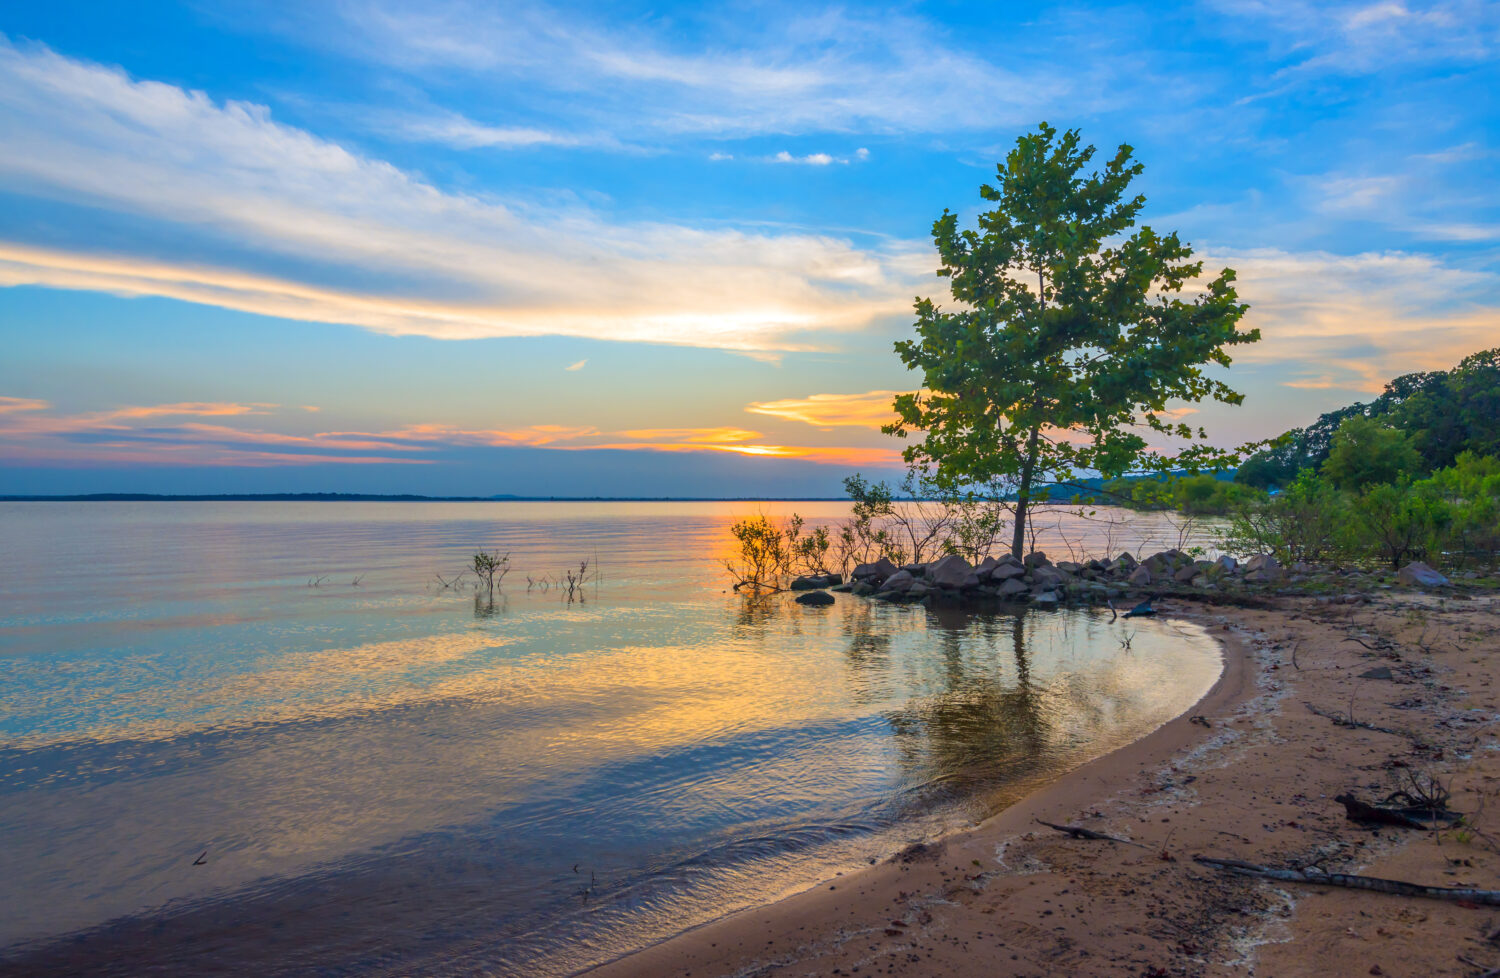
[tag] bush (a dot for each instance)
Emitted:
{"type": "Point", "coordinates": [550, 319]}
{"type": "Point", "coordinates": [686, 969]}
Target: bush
{"type": "Point", "coordinates": [1305, 522]}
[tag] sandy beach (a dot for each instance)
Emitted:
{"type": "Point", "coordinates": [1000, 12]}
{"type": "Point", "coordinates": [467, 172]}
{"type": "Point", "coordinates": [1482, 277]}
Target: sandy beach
{"type": "Point", "coordinates": [1249, 773]}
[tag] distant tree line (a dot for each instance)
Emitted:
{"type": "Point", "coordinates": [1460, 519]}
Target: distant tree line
{"type": "Point", "coordinates": [1438, 415]}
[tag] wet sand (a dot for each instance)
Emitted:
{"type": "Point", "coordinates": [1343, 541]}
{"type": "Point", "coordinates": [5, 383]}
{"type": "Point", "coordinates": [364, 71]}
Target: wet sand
{"type": "Point", "coordinates": [1254, 779]}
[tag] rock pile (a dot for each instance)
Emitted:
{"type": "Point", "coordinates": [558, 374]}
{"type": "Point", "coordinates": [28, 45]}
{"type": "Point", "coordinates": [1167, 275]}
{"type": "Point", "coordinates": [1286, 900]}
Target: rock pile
{"type": "Point", "coordinates": [1037, 580]}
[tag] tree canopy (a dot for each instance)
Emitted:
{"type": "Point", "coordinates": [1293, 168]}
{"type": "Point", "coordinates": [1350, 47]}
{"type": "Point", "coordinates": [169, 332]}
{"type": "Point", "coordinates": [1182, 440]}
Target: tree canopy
{"type": "Point", "coordinates": [1444, 412]}
{"type": "Point", "coordinates": [1071, 334]}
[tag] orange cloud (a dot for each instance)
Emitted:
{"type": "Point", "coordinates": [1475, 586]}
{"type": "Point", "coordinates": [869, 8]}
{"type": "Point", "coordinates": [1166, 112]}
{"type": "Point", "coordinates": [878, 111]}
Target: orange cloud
{"type": "Point", "coordinates": [868, 410]}
{"type": "Point", "coordinates": [8, 404]}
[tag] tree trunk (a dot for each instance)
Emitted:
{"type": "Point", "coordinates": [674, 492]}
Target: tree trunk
{"type": "Point", "coordinates": [1023, 494]}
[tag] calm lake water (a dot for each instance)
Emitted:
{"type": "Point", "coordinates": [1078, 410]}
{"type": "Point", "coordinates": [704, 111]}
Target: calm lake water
{"type": "Point", "coordinates": [391, 776]}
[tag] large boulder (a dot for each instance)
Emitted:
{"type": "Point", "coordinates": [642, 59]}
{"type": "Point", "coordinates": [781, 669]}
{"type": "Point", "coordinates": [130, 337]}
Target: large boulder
{"type": "Point", "coordinates": [1186, 574]}
{"type": "Point", "coordinates": [815, 598]}
{"type": "Point", "coordinates": [1140, 577]}
{"type": "Point", "coordinates": [877, 570]}
{"type": "Point", "coordinates": [1264, 569]}
{"type": "Point", "coordinates": [1036, 559]}
{"type": "Point", "coordinates": [950, 571]}
{"type": "Point", "coordinates": [1226, 564]}
{"type": "Point", "coordinates": [1004, 572]}
{"type": "Point", "coordinates": [902, 580]}
{"type": "Point", "coordinates": [1012, 589]}
{"type": "Point", "coordinates": [814, 581]}
{"type": "Point", "coordinates": [1418, 574]}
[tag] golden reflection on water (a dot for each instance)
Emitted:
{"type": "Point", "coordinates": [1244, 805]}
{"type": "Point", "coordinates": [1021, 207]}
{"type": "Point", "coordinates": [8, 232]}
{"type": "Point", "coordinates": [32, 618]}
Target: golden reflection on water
{"type": "Point", "coordinates": [658, 718]}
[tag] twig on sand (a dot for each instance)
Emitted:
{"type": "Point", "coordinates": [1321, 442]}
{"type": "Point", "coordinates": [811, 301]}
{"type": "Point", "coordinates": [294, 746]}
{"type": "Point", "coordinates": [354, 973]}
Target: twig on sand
{"type": "Point", "coordinates": [1317, 877]}
{"type": "Point", "coordinates": [1079, 832]}
{"type": "Point", "coordinates": [1341, 720]}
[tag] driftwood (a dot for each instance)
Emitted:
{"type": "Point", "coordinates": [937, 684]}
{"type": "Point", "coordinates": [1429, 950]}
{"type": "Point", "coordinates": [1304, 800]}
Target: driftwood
{"type": "Point", "coordinates": [1413, 816]}
{"type": "Point", "coordinates": [1344, 720]}
{"type": "Point", "coordinates": [1079, 832]}
{"type": "Point", "coordinates": [1317, 877]}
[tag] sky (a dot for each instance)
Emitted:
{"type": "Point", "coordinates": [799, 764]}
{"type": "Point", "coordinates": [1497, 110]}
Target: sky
{"type": "Point", "coordinates": [460, 248]}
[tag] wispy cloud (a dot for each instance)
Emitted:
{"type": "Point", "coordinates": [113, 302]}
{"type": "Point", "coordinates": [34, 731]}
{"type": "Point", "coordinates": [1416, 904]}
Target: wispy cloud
{"type": "Point", "coordinates": [449, 265]}
{"type": "Point", "coordinates": [32, 433]}
{"type": "Point", "coordinates": [827, 70]}
{"type": "Point", "coordinates": [573, 367]}
{"type": "Point", "coordinates": [868, 410]}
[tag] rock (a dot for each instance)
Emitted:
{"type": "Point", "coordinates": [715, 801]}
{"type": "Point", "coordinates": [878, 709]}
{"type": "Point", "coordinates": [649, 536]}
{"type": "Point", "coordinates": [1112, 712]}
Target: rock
{"type": "Point", "coordinates": [1140, 577]}
{"type": "Point", "coordinates": [1047, 576]}
{"type": "Point", "coordinates": [1012, 589]}
{"type": "Point", "coordinates": [1127, 559]}
{"type": "Point", "coordinates": [877, 571]}
{"type": "Point", "coordinates": [915, 570]}
{"type": "Point", "coordinates": [810, 583]}
{"type": "Point", "coordinates": [862, 588]}
{"type": "Point", "coordinates": [1035, 559]}
{"type": "Point", "coordinates": [842, 588]}
{"type": "Point", "coordinates": [892, 596]}
{"type": "Point", "coordinates": [988, 563]}
{"type": "Point", "coordinates": [1379, 672]}
{"type": "Point", "coordinates": [1264, 569]}
{"type": "Point", "coordinates": [919, 589]}
{"type": "Point", "coordinates": [900, 581]}
{"type": "Point", "coordinates": [1068, 566]}
{"type": "Point", "coordinates": [971, 581]}
{"type": "Point", "coordinates": [1005, 572]}
{"type": "Point", "coordinates": [815, 598]}
{"type": "Point", "coordinates": [1046, 599]}
{"type": "Point", "coordinates": [950, 571]}
{"type": "Point", "coordinates": [1186, 574]}
{"type": "Point", "coordinates": [1227, 564]}
{"type": "Point", "coordinates": [1418, 574]}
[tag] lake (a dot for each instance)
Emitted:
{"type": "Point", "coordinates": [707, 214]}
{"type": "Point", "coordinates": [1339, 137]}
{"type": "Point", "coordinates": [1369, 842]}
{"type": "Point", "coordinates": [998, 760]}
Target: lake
{"type": "Point", "coordinates": [267, 736]}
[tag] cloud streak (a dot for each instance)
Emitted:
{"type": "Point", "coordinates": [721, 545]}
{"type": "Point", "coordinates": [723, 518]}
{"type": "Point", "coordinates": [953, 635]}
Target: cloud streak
{"type": "Point", "coordinates": [448, 265]}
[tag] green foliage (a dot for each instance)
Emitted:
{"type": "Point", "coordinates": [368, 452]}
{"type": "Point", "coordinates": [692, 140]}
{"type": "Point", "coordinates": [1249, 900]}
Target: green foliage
{"type": "Point", "coordinates": [1071, 334]}
{"type": "Point", "coordinates": [1397, 523]}
{"type": "Point", "coordinates": [1197, 495]}
{"type": "Point", "coordinates": [1367, 453]}
{"type": "Point", "coordinates": [1305, 522]}
{"type": "Point", "coordinates": [1449, 519]}
{"type": "Point", "coordinates": [763, 557]}
{"type": "Point", "coordinates": [491, 568]}
{"type": "Point", "coordinates": [1445, 413]}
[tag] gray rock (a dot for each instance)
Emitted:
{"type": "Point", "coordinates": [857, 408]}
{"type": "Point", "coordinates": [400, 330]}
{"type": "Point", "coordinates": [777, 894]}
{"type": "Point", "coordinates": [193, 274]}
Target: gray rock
{"type": "Point", "coordinates": [815, 598]}
{"type": "Point", "coordinates": [915, 570]}
{"type": "Point", "coordinates": [1068, 566]}
{"type": "Point", "coordinates": [1012, 589]}
{"type": "Point", "coordinates": [950, 571]}
{"type": "Point", "coordinates": [1140, 577]}
{"type": "Point", "coordinates": [1004, 572]}
{"type": "Point", "coordinates": [900, 581]}
{"type": "Point", "coordinates": [918, 590]}
{"type": "Point", "coordinates": [810, 583]}
{"type": "Point", "coordinates": [1186, 574]}
{"type": "Point", "coordinates": [1035, 559]}
{"type": "Point", "coordinates": [891, 596]}
{"type": "Point", "coordinates": [862, 588]}
{"type": "Point", "coordinates": [1046, 599]}
{"type": "Point", "coordinates": [877, 570]}
{"type": "Point", "coordinates": [986, 564]}
{"type": "Point", "coordinates": [1264, 569]}
{"type": "Point", "coordinates": [1418, 574]}
{"type": "Point", "coordinates": [842, 588]}
{"type": "Point", "coordinates": [1379, 672]}
{"type": "Point", "coordinates": [1227, 564]}
{"type": "Point", "coordinates": [971, 581]}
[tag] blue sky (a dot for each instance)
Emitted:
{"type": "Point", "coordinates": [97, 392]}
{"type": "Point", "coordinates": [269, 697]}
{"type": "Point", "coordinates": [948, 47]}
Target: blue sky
{"type": "Point", "coordinates": [591, 249]}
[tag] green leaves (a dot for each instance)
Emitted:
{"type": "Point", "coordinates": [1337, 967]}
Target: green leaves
{"type": "Point", "coordinates": [1066, 325]}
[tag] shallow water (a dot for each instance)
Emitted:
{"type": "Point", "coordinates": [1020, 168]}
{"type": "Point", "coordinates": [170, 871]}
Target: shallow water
{"type": "Point", "coordinates": [394, 776]}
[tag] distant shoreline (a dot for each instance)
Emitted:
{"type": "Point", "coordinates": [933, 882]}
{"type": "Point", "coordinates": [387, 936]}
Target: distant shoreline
{"type": "Point", "coordinates": [355, 497]}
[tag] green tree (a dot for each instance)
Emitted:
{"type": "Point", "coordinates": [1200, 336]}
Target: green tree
{"type": "Point", "coordinates": [1069, 338]}
{"type": "Point", "coordinates": [1367, 453]}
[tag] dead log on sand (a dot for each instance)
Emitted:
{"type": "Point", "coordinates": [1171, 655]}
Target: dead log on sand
{"type": "Point", "coordinates": [1316, 877]}
{"type": "Point", "coordinates": [1079, 832]}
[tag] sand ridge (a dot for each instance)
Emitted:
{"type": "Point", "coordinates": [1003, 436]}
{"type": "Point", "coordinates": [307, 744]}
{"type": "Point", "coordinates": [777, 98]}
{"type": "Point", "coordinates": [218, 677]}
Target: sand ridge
{"type": "Point", "coordinates": [1248, 773]}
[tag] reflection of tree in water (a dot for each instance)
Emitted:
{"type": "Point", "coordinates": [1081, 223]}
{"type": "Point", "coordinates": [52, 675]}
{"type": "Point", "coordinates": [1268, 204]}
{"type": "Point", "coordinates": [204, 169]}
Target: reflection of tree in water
{"type": "Point", "coordinates": [976, 728]}
{"type": "Point", "coordinates": [485, 605]}
{"type": "Point", "coordinates": [869, 644]}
